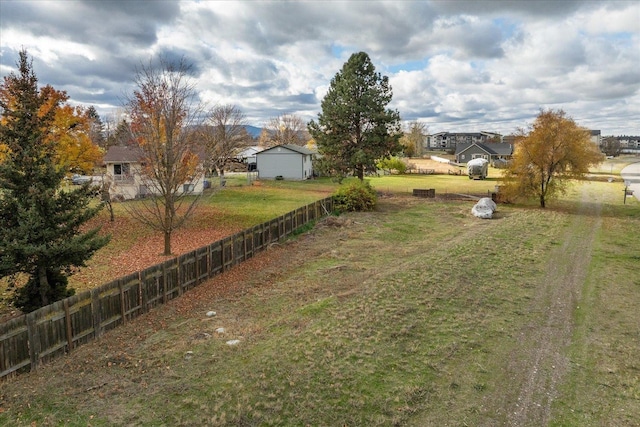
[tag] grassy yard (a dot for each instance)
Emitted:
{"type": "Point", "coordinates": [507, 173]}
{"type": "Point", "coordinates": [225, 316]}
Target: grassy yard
{"type": "Point", "coordinates": [411, 315]}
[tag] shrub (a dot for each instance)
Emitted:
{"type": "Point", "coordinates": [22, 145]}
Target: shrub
{"type": "Point", "coordinates": [28, 298]}
{"type": "Point", "coordinates": [354, 197]}
{"type": "Point", "coordinates": [393, 163]}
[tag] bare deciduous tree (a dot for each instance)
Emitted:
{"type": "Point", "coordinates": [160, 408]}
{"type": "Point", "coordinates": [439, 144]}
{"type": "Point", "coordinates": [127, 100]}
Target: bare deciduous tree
{"type": "Point", "coordinates": [223, 136]}
{"type": "Point", "coordinates": [162, 110]}
{"type": "Point", "coordinates": [413, 139]}
{"type": "Point", "coordinates": [285, 129]}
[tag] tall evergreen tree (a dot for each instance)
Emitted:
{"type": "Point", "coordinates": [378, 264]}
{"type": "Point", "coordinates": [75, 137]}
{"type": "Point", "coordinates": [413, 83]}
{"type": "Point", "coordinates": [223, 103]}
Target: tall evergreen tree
{"type": "Point", "coordinates": [121, 136]}
{"type": "Point", "coordinates": [40, 224]}
{"type": "Point", "coordinates": [355, 128]}
{"type": "Point", "coordinates": [96, 127]}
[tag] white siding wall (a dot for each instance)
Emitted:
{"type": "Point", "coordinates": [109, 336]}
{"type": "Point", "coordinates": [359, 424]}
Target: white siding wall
{"type": "Point", "coordinates": [281, 161]}
{"type": "Point", "coordinates": [130, 188]}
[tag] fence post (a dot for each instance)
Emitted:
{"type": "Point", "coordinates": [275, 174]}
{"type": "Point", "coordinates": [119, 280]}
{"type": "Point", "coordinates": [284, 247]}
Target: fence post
{"type": "Point", "coordinates": [197, 269]}
{"type": "Point", "coordinates": [67, 322]}
{"type": "Point", "coordinates": [180, 277]}
{"type": "Point", "coordinates": [141, 288]}
{"type": "Point", "coordinates": [123, 310]}
{"type": "Point", "coordinates": [95, 311]}
{"type": "Point", "coordinates": [34, 340]}
{"type": "Point", "coordinates": [164, 284]}
{"type": "Point", "coordinates": [244, 244]}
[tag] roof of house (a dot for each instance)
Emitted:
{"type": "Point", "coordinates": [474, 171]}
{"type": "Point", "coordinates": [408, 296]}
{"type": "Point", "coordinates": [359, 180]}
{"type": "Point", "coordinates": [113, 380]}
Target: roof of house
{"type": "Point", "coordinates": [493, 148]}
{"type": "Point", "coordinates": [127, 154]}
{"type": "Point", "coordinates": [249, 152]}
{"type": "Point", "coordinates": [124, 154]}
{"type": "Point", "coordinates": [296, 148]}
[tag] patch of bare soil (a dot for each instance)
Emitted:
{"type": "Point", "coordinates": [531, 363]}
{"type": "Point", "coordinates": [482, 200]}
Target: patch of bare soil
{"type": "Point", "coordinates": [436, 167]}
{"type": "Point", "coordinates": [541, 362]}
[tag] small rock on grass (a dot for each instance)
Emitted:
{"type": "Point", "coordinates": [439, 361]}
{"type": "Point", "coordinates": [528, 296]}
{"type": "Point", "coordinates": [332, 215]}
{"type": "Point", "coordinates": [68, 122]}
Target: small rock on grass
{"type": "Point", "coordinates": [233, 342]}
{"type": "Point", "coordinates": [211, 313]}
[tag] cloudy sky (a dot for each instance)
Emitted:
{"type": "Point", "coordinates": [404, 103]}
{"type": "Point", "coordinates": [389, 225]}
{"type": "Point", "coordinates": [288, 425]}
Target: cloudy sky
{"type": "Point", "coordinates": [457, 65]}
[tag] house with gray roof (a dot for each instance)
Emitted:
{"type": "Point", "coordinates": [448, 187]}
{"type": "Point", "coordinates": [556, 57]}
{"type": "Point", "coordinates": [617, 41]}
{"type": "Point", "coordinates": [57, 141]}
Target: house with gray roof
{"type": "Point", "coordinates": [124, 166]}
{"type": "Point", "coordinates": [287, 161]}
{"type": "Point", "coordinates": [494, 152]}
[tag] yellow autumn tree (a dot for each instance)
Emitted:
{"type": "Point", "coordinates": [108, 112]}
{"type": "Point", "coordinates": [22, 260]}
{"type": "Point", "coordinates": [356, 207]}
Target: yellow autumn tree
{"type": "Point", "coordinates": [554, 151]}
{"type": "Point", "coordinates": [68, 132]}
{"type": "Point", "coordinates": [75, 151]}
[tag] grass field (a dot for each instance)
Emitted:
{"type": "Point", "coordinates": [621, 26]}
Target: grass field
{"type": "Point", "coordinates": [416, 314]}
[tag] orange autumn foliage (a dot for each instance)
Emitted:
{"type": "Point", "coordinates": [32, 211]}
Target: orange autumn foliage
{"type": "Point", "coordinates": [68, 132]}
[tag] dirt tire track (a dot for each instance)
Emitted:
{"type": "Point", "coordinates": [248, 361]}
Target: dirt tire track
{"type": "Point", "coordinates": [541, 361]}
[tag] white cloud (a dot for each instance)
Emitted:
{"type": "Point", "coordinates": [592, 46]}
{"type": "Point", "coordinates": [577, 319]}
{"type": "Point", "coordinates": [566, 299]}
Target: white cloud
{"type": "Point", "coordinates": [487, 65]}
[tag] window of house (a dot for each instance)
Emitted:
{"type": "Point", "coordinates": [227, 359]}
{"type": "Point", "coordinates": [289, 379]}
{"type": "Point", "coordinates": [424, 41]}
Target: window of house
{"type": "Point", "coordinates": [121, 169]}
{"type": "Point", "coordinates": [188, 188]}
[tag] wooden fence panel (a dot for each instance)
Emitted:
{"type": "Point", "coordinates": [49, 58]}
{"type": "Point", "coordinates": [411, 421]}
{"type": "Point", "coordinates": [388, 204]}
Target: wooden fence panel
{"type": "Point", "coordinates": [288, 223]}
{"type": "Point", "coordinates": [202, 264]}
{"type": "Point", "coordinates": [259, 237]}
{"type": "Point", "coordinates": [300, 218]}
{"type": "Point", "coordinates": [80, 313]}
{"type": "Point", "coordinates": [131, 296]}
{"type": "Point", "coordinates": [247, 237]}
{"type": "Point", "coordinates": [188, 271]}
{"type": "Point", "coordinates": [152, 280]}
{"type": "Point", "coordinates": [324, 207]}
{"type": "Point", "coordinates": [274, 230]}
{"type": "Point", "coordinates": [227, 253]}
{"type": "Point", "coordinates": [38, 337]}
{"type": "Point", "coordinates": [239, 253]}
{"type": "Point", "coordinates": [14, 346]}
{"type": "Point", "coordinates": [50, 326]}
{"type": "Point", "coordinates": [216, 258]}
{"type": "Point", "coordinates": [109, 306]}
{"type": "Point", "coordinates": [171, 279]}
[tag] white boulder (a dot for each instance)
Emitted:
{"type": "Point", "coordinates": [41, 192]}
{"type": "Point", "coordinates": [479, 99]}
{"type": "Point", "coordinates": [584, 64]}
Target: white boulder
{"type": "Point", "coordinates": [484, 208]}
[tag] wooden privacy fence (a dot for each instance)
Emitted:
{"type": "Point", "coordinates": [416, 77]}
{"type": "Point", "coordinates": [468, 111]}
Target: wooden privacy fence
{"type": "Point", "coordinates": [35, 338]}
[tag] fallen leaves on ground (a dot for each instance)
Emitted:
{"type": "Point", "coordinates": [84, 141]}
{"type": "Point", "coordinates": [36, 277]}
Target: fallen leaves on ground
{"type": "Point", "coordinates": [134, 247]}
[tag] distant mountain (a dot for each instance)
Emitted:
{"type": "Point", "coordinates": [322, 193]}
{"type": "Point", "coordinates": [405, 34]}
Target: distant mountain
{"type": "Point", "coordinates": [253, 131]}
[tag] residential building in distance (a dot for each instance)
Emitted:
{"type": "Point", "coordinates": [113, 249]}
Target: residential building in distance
{"type": "Point", "coordinates": [124, 165]}
{"type": "Point", "coordinates": [449, 140]}
{"type": "Point", "coordinates": [629, 144]}
{"type": "Point", "coordinates": [497, 154]}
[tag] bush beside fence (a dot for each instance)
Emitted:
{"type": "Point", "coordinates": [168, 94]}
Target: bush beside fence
{"type": "Point", "coordinates": [38, 337]}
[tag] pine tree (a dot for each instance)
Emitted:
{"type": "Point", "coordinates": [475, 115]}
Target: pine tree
{"type": "Point", "coordinates": [40, 224]}
{"type": "Point", "coordinates": [355, 129]}
{"type": "Point", "coordinates": [96, 128]}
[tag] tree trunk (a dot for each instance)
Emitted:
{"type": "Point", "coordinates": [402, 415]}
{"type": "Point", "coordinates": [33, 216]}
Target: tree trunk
{"type": "Point", "coordinates": [542, 204]}
{"type": "Point", "coordinates": [44, 286]}
{"type": "Point", "coordinates": [167, 243]}
{"type": "Point", "coordinates": [168, 225]}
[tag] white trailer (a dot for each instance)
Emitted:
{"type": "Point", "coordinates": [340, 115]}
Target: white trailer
{"type": "Point", "coordinates": [478, 168]}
